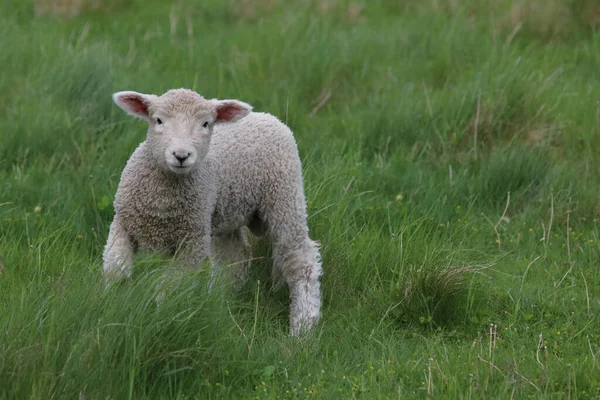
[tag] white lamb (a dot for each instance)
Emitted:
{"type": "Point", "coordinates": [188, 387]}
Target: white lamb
{"type": "Point", "coordinates": [207, 169]}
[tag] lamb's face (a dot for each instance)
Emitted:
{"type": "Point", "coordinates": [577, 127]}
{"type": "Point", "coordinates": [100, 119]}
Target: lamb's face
{"type": "Point", "coordinates": [180, 124]}
{"type": "Point", "coordinates": [180, 128]}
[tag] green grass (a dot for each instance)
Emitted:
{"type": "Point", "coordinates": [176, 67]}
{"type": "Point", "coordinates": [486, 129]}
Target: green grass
{"type": "Point", "coordinates": [452, 177]}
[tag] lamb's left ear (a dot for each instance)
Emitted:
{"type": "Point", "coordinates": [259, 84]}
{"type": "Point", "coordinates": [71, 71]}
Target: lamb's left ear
{"type": "Point", "coordinates": [231, 110]}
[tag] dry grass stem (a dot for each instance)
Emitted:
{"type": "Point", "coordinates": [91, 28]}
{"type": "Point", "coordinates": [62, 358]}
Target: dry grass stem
{"type": "Point", "coordinates": [512, 35]}
{"type": "Point", "coordinates": [526, 270]}
{"type": "Point", "coordinates": [565, 275]}
{"type": "Point", "coordinates": [476, 124]}
{"type": "Point", "coordinates": [321, 101]}
{"type": "Point", "coordinates": [495, 226]}
{"type": "Point", "coordinates": [568, 237]}
{"type": "Point", "coordinates": [349, 184]}
{"type": "Point", "coordinates": [587, 291]}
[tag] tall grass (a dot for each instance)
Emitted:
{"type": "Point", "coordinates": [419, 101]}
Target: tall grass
{"type": "Point", "coordinates": [450, 153]}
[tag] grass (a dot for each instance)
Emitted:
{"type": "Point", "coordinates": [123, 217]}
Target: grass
{"type": "Point", "coordinates": [452, 172]}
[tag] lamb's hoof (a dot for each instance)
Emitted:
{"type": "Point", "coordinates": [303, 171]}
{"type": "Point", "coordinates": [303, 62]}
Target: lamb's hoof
{"type": "Point", "coordinates": [303, 327]}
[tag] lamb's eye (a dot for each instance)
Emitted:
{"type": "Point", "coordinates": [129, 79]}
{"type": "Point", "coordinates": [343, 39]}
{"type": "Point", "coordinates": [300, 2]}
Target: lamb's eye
{"type": "Point", "coordinates": [159, 121]}
{"type": "Point", "coordinates": [205, 125]}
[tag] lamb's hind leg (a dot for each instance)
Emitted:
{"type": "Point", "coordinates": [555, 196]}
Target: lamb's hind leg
{"type": "Point", "coordinates": [296, 260]}
{"type": "Point", "coordinates": [299, 264]}
{"type": "Point", "coordinates": [231, 258]}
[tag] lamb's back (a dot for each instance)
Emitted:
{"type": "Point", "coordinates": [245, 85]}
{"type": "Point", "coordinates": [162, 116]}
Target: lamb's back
{"type": "Point", "coordinates": [252, 157]}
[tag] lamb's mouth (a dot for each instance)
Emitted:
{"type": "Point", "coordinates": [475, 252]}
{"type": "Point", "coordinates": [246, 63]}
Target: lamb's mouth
{"type": "Point", "coordinates": [180, 169]}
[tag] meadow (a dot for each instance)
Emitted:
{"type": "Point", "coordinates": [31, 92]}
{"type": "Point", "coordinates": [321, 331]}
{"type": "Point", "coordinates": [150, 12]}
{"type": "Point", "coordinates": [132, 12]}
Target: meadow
{"type": "Point", "coordinates": [451, 156]}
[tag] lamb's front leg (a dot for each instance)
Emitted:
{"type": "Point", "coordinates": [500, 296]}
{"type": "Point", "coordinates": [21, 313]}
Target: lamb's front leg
{"type": "Point", "coordinates": [190, 255]}
{"type": "Point", "coordinates": [196, 250]}
{"type": "Point", "coordinates": [231, 258]}
{"type": "Point", "coordinates": [118, 253]}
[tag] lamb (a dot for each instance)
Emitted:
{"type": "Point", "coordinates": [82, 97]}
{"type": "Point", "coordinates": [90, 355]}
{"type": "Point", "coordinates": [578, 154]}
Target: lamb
{"type": "Point", "coordinates": [207, 170]}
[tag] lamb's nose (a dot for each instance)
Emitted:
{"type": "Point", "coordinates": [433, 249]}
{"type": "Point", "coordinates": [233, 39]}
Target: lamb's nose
{"type": "Point", "coordinates": [181, 156]}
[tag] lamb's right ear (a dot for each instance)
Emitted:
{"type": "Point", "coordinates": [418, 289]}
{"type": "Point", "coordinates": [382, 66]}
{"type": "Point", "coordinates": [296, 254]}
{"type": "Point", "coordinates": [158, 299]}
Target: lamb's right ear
{"type": "Point", "coordinates": [134, 103]}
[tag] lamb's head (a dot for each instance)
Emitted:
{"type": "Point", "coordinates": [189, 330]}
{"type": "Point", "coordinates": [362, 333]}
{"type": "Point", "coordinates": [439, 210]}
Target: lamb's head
{"type": "Point", "coordinates": [180, 124]}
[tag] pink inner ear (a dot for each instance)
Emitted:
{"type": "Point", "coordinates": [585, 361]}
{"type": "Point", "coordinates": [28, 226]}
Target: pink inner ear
{"type": "Point", "coordinates": [228, 111]}
{"type": "Point", "coordinates": [135, 104]}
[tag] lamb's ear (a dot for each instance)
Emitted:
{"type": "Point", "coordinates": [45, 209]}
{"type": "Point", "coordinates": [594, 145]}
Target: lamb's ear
{"type": "Point", "coordinates": [231, 110]}
{"type": "Point", "coordinates": [134, 103]}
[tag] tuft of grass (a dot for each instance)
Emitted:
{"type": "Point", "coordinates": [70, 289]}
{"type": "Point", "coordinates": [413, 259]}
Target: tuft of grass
{"type": "Point", "coordinates": [437, 296]}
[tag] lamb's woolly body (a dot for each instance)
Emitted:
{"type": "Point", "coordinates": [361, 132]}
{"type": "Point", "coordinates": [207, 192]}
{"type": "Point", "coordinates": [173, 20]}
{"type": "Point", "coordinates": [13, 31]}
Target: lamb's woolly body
{"type": "Point", "coordinates": [250, 175]}
{"type": "Point", "coordinates": [251, 165]}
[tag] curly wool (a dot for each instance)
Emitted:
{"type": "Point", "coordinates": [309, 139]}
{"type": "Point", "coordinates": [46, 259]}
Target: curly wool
{"type": "Point", "coordinates": [248, 173]}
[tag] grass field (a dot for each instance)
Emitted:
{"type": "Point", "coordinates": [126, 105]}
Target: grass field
{"type": "Point", "coordinates": [451, 154]}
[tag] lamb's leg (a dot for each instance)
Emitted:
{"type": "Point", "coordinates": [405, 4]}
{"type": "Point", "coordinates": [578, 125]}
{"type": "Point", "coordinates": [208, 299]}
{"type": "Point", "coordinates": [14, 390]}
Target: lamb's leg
{"type": "Point", "coordinates": [231, 258]}
{"type": "Point", "coordinates": [296, 257]}
{"type": "Point", "coordinates": [118, 253]}
{"type": "Point", "coordinates": [190, 255]}
{"type": "Point", "coordinates": [299, 264]}
{"type": "Point", "coordinates": [195, 250]}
